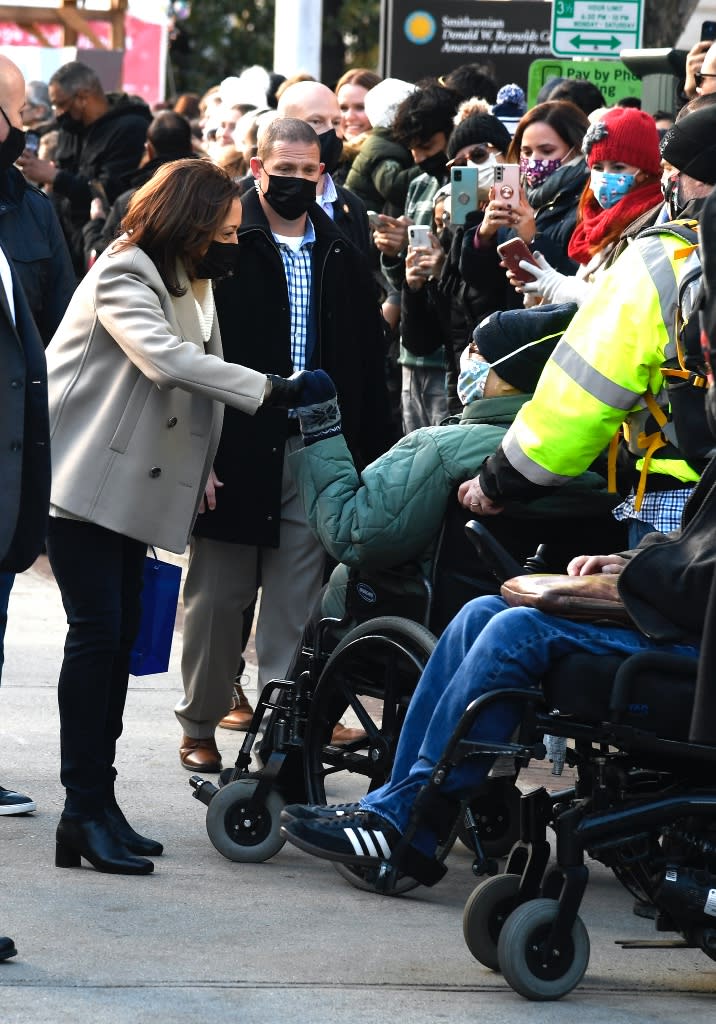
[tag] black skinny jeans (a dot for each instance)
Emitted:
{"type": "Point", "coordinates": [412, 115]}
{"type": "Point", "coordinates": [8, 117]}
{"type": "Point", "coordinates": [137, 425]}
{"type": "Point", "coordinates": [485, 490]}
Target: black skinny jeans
{"type": "Point", "coordinates": [100, 575]}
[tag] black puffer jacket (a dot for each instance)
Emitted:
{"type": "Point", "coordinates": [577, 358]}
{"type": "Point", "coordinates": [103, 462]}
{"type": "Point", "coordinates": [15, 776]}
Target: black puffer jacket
{"type": "Point", "coordinates": [105, 154]}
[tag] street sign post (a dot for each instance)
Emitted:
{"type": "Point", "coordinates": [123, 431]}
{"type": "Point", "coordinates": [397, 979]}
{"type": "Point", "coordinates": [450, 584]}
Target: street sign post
{"type": "Point", "coordinates": [596, 28]}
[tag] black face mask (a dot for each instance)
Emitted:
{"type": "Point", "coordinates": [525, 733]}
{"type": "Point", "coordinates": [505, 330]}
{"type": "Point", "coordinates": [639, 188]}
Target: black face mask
{"type": "Point", "coordinates": [12, 146]}
{"type": "Point", "coordinates": [331, 149]}
{"type": "Point", "coordinates": [218, 260]}
{"type": "Point", "coordinates": [435, 165]}
{"type": "Point", "coordinates": [673, 197]}
{"type": "Point", "coordinates": [289, 197]}
{"type": "Point", "coordinates": [70, 124]}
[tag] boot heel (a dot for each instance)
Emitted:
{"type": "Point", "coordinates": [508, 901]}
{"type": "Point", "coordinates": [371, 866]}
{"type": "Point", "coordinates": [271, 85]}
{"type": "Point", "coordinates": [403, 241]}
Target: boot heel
{"type": "Point", "coordinates": [66, 857]}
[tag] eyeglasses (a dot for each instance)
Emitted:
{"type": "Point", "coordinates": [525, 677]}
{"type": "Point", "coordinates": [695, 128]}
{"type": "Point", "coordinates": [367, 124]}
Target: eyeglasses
{"type": "Point", "coordinates": [478, 154]}
{"type": "Point", "coordinates": [699, 78]}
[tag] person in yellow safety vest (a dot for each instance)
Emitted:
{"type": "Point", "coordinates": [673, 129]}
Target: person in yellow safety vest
{"type": "Point", "coordinates": [607, 368]}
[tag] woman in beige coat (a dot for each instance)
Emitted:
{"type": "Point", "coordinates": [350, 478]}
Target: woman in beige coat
{"type": "Point", "coordinates": [137, 385]}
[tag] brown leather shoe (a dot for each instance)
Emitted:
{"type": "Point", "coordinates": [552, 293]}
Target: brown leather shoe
{"type": "Point", "coordinates": [342, 734]}
{"type": "Point", "coordinates": [200, 755]}
{"type": "Point", "coordinates": [239, 718]}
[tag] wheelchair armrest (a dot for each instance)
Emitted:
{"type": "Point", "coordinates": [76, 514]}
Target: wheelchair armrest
{"type": "Point", "coordinates": [497, 559]}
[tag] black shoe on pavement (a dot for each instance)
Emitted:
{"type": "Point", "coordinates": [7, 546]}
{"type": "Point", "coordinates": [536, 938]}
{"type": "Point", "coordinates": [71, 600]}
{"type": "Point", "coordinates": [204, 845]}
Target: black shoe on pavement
{"type": "Point", "coordinates": [7, 948]}
{"type": "Point", "coordinates": [360, 838]}
{"type": "Point", "coordinates": [15, 803]}
{"type": "Point", "coordinates": [306, 812]}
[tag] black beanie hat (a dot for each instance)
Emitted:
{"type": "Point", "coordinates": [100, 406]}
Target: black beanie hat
{"type": "Point", "coordinates": [507, 331]}
{"type": "Point", "coordinates": [478, 128]}
{"type": "Point", "coordinates": [690, 145]}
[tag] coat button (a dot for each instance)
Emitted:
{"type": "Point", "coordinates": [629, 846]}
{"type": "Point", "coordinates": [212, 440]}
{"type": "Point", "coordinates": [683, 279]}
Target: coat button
{"type": "Point", "coordinates": [15, 446]}
{"type": "Point", "coordinates": [154, 472]}
{"type": "Point", "coordinates": [16, 383]}
{"type": "Point", "coordinates": [172, 422]}
{"type": "Point", "coordinates": [269, 519]}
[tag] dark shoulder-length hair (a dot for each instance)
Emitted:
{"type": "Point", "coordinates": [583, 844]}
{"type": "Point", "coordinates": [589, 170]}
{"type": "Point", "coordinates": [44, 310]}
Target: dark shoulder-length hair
{"type": "Point", "coordinates": [176, 214]}
{"type": "Point", "coordinates": [563, 117]}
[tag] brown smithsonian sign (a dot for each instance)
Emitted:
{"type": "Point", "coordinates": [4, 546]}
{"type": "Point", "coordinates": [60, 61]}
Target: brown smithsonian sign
{"type": "Point", "coordinates": [423, 38]}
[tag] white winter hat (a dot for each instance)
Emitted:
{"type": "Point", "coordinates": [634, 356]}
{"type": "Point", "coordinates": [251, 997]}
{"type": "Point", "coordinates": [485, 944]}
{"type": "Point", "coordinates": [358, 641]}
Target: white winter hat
{"type": "Point", "coordinates": [383, 100]}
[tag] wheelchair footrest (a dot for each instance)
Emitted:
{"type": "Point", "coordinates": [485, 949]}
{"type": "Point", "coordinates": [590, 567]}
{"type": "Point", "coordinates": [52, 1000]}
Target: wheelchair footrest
{"type": "Point", "coordinates": [652, 944]}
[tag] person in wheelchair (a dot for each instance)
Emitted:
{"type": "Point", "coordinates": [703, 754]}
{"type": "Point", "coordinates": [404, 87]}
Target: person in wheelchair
{"type": "Point", "coordinates": [664, 585]}
{"type": "Point", "coordinates": [392, 513]}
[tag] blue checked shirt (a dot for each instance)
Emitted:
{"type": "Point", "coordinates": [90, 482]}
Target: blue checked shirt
{"type": "Point", "coordinates": [298, 268]}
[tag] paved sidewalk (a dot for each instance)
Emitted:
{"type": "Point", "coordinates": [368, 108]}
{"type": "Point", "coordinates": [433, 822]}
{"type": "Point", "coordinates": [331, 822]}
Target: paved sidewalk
{"type": "Point", "coordinates": [204, 939]}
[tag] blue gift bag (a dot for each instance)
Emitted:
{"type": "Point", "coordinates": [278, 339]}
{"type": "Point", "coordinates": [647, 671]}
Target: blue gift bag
{"type": "Point", "coordinates": [160, 596]}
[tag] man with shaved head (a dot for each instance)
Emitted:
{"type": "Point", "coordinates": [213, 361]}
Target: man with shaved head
{"type": "Point", "coordinates": [317, 105]}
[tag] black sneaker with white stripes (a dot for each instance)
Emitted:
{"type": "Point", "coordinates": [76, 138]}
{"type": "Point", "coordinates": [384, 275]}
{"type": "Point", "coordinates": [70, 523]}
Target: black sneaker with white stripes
{"type": "Point", "coordinates": [304, 812]}
{"type": "Point", "coordinates": [358, 838]}
{"type": "Point", "coordinates": [15, 803]}
{"type": "Point", "coordinates": [361, 838]}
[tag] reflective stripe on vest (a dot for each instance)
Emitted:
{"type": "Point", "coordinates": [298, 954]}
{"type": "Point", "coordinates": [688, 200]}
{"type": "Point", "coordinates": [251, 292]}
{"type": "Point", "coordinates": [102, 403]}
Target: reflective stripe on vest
{"type": "Point", "coordinates": [591, 380]}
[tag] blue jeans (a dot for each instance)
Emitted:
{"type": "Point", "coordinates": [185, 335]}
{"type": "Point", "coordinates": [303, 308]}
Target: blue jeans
{"type": "Point", "coordinates": [6, 581]}
{"type": "Point", "coordinates": [487, 646]}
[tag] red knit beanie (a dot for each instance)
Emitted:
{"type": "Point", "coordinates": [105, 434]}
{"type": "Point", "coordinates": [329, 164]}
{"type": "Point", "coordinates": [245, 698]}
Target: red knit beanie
{"type": "Point", "coordinates": [625, 135]}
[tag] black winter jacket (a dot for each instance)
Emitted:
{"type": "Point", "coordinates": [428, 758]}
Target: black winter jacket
{"type": "Point", "coordinates": [254, 317]}
{"type": "Point", "coordinates": [32, 237]}
{"type": "Point", "coordinates": [106, 153]}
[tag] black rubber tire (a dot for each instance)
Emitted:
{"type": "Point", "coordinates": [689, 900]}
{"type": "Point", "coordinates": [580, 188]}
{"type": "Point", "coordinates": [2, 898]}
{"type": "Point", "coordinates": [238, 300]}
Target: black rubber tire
{"type": "Point", "coordinates": [230, 837]}
{"type": "Point", "coordinates": [485, 914]}
{"type": "Point", "coordinates": [383, 656]}
{"type": "Point", "coordinates": [519, 964]}
{"type": "Point", "coordinates": [496, 808]}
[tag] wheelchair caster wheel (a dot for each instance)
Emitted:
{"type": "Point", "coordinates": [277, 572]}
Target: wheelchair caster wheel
{"type": "Point", "coordinates": [531, 971]}
{"type": "Point", "coordinates": [486, 911]}
{"type": "Point", "coordinates": [235, 833]}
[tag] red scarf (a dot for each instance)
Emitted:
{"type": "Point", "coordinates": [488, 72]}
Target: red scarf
{"type": "Point", "coordinates": [597, 224]}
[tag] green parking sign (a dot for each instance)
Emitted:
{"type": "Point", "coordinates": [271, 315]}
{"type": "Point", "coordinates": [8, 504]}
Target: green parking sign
{"type": "Point", "coordinates": [596, 28]}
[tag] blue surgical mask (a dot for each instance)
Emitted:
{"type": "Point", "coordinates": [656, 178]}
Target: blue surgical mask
{"type": "Point", "coordinates": [609, 188]}
{"type": "Point", "coordinates": [473, 376]}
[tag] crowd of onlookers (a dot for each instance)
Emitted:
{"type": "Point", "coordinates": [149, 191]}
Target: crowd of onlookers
{"type": "Point", "coordinates": [427, 244]}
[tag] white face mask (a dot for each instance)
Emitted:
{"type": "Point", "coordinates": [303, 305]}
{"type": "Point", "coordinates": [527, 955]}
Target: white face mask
{"type": "Point", "coordinates": [485, 171]}
{"type": "Point", "coordinates": [473, 375]}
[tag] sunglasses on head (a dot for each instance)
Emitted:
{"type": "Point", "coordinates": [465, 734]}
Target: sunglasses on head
{"type": "Point", "coordinates": [478, 154]}
{"type": "Point", "coordinates": [699, 78]}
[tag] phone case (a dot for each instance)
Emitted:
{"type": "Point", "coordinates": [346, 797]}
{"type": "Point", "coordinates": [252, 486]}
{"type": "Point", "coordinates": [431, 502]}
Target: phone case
{"type": "Point", "coordinates": [511, 252]}
{"type": "Point", "coordinates": [507, 184]}
{"type": "Point", "coordinates": [463, 193]}
{"type": "Point", "coordinates": [419, 235]}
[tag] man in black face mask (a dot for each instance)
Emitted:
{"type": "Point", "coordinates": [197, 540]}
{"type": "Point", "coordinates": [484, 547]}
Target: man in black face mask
{"type": "Point", "coordinates": [302, 297]}
{"type": "Point", "coordinates": [317, 105]}
{"type": "Point", "coordinates": [101, 143]}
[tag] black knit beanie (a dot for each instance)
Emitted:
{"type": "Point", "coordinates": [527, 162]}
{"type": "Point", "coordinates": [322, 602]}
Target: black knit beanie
{"type": "Point", "coordinates": [690, 145]}
{"type": "Point", "coordinates": [509, 330]}
{"type": "Point", "coordinates": [478, 128]}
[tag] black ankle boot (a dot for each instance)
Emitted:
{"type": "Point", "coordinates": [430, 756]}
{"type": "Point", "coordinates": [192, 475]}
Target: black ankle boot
{"type": "Point", "coordinates": [93, 840]}
{"type": "Point", "coordinates": [131, 840]}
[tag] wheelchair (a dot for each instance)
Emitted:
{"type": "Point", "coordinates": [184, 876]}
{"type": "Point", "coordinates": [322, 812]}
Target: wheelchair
{"type": "Point", "coordinates": [368, 662]}
{"type": "Point", "coordinates": [643, 804]}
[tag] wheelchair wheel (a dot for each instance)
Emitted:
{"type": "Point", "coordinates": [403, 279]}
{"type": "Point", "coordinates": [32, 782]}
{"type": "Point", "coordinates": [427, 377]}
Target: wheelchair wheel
{"type": "Point", "coordinates": [521, 962]}
{"type": "Point", "coordinates": [496, 809]}
{"type": "Point", "coordinates": [371, 673]}
{"type": "Point", "coordinates": [235, 836]}
{"type": "Point", "coordinates": [484, 916]}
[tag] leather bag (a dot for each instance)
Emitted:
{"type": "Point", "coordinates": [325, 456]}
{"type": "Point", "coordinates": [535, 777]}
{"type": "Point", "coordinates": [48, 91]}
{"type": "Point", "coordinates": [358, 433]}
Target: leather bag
{"type": "Point", "coordinates": [583, 598]}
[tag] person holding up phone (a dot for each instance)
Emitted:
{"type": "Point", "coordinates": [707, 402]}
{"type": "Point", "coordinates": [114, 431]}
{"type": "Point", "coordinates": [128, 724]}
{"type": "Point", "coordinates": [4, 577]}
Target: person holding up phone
{"type": "Point", "coordinates": [622, 152]}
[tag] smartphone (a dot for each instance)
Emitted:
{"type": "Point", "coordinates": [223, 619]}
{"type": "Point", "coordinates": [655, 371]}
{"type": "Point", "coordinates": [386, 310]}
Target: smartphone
{"type": "Point", "coordinates": [32, 142]}
{"type": "Point", "coordinates": [507, 184]}
{"type": "Point", "coordinates": [511, 252]}
{"type": "Point", "coordinates": [708, 31]}
{"type": "Point", "coordinates": [419, 235]}
{"type": "Point", "coordinates": [463, 193]}
{"type": "Point", "coordinates": [374, 220]}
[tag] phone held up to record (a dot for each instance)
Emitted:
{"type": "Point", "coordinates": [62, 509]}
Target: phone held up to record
{"type": "Point", "coordinates": [464, 196]}
{"type": "Point", "coordinates": [511, 252]}
{"type": "Point", "coordinates": [708, 31]}
{"type": "Point", "coordinates": [419, 235]}
{"type": "Point", "coordinates": [507, 184]}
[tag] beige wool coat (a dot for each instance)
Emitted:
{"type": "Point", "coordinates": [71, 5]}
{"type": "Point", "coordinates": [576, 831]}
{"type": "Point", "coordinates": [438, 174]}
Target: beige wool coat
{"type": "Point", "coordinates": [136, 402]}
